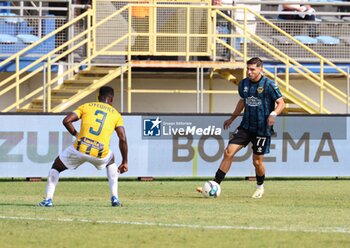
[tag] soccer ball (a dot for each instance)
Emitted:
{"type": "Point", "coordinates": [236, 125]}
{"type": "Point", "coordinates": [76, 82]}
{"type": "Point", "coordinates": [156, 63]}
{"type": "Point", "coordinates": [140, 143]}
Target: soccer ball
{"type": "Point", "coordinates": [211, 189]}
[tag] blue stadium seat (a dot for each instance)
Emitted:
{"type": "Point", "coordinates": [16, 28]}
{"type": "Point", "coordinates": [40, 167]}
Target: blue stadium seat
{"type": "Point", "coordinates": [11, 24]}
{"type": "Point", "coordinates": [282, 40]}
{"type": "Point", "coordinates": [23, 28]}
{"type": "Point", "coordinates": [8, 44]}
{"type": "Point", "coordinates": [28, 38]}
{"type": "Point", "coordinates": [328, 40]}
{"type": "Point", "coordinates": [7, 28]}
{"type": "Point", "coordinates": [7, 39]}
{"type": "Point", "coordinates": [307, 40]}
{"type": "Point", "coordinates": [12, 18]}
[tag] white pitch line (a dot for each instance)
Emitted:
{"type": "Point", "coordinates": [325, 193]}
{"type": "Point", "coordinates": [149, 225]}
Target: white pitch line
{"type": "Point", "coordinates": [343, 230]}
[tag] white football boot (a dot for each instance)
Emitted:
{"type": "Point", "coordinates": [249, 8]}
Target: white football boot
{"type": "Point", "coordinates": [258, 192]}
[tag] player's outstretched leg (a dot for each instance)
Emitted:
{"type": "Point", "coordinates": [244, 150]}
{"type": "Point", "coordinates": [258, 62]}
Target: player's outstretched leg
{"type": "Point", "coordinates": [112, 174]}
{"type": "Point", "coordinates": [219, 176]}
{"type": "Point", "coordinates": [52, 181]}
{"type": "Point", "coordinates": [51, 184]}
{"type": "Point", "coordinates": [225, 165]}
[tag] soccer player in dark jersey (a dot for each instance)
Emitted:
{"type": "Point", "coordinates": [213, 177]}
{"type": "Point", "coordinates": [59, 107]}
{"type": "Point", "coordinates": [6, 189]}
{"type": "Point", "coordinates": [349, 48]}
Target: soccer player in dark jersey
{"type": "Point", "coordinates": [261, 101]}
{"type": "Point", "coordinates": [99, 120]}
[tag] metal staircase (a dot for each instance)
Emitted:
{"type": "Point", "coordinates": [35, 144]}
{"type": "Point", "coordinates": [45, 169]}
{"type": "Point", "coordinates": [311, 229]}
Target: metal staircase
{"type": "Point", "coordinates": [293, 104]}
{"type": "Point", "coordinates": [72, 90]}
{"type": "Point", "coordinates": [297, 100]}
{"type": "Point", "coordinates": [55, 97]}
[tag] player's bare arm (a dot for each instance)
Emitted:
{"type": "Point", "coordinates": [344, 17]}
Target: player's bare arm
{"type": "Point", "coordinates": [237, 112]}
{"type": "Point", "coordinates": [123, 147]}
{"type": "Point", "coordinates": [279, 108]}
{"type": "Point", "coordinates": [67, 122]}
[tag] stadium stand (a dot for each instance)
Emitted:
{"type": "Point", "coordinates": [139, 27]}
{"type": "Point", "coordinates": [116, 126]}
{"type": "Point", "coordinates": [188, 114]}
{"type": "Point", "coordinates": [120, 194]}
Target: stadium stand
{"type": "Point", "coordinates": [186, 32]}
{"type": "Point", "coordinates": [306, 39]}
{"type": "Point", "coordinates": [21, 24]}
{"type": "Point", "coordinates": [328, 40]}
{"type": "Point", "coordinates": [330, 25]}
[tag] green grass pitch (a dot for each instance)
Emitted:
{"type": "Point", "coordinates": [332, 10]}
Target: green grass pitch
{"type": "Point", "coordinates": [297, 213]}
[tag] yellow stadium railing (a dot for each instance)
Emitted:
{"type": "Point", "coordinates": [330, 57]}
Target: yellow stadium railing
{"type": "Point", "coordinates": [42, 63]}
{"type": "Point", "coordinates": [163, 41]}
{"type": "Point", "coordinates": [290, 64]}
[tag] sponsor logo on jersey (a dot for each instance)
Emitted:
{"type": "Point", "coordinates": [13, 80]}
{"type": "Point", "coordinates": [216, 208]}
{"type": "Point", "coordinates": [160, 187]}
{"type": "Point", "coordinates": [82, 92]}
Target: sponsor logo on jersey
{"type": "Point", "coordinates": [253, 101]}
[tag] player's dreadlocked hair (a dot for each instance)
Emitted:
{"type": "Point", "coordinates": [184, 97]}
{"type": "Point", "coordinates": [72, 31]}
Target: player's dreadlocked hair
{"type": "Point", "coordinates": [255, 61]}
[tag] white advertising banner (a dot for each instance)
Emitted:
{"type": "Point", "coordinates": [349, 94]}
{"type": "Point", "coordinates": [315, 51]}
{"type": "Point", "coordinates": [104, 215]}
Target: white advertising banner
{"type": "Point", "coordinates": [181, 145]}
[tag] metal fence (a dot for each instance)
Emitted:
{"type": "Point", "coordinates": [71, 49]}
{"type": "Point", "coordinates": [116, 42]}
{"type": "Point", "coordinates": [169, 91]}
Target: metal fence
{"type": "Point", "coordinates": [165, 36]}
{"type": "Point", "coordinates": [24, 22]}
{"type": "Point", "coordinates": [331, 40]}
{"type": "Point", "coordinates": [17, 32]}
{"type": "Point", "coordinates": [328, 35]}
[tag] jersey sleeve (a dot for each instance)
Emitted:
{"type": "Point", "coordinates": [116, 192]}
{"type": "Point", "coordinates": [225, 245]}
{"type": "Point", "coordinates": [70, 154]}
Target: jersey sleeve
{"type": "Point", "coordinates": [240, 89]}
{"type": "Point", "coordinates": [79, 111]}
{"type": "Point", "coordinates": [274, 91]}
{"type": "Point", "coordinates": [120, 121]}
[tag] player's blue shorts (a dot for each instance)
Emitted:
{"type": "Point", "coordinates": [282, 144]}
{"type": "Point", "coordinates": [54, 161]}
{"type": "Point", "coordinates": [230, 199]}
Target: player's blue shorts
{"type": "Point", "coordinates": [261, 144]}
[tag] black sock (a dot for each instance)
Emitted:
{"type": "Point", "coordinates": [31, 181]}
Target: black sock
{"type": "Point", "coordinates": [219, 176]}
{"type": "Point", "coordinates": [260, 179]}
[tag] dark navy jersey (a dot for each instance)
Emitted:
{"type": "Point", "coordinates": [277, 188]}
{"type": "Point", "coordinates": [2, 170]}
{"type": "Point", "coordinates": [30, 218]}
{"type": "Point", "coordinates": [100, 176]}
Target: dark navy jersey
{"type": "Point", "coordinates": [259, 102]}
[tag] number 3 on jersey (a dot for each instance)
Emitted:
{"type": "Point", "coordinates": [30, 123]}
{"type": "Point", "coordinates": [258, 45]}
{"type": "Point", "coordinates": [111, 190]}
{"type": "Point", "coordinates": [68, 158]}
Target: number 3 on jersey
{"type": "Point", "coordinates": [100, 119]}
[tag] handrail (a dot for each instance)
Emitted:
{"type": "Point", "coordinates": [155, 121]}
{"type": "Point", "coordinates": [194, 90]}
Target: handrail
{"type": "Point", "coordinates": [56, 58]}
{"type": "Point", "coordinates": [41, 59]}
{"type": "Point", "coordinates": [35, 44]}
{"type": "Point", "coordinates": [314, 78]}
{"type": "Point", "coordinates": [86, 37]}
{"type": "Point", "coordinates": [46, 37]}
{"type": "Point", "coordinates": [332, 90]}
{"type": "Point", "coordinates": [299, 43]}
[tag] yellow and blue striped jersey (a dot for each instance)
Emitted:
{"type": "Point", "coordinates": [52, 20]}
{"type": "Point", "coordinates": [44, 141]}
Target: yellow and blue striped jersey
{"type": "Point", "coordinates": [98, 122]}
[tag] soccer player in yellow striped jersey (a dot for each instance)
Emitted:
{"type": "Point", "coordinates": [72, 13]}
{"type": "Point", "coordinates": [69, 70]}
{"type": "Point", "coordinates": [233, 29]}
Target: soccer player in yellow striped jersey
{"type": "Point", "coordinates": [98, 121]}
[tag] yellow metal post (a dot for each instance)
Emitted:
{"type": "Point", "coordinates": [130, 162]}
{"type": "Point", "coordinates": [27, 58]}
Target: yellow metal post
{"type": "Point", "coordinates": [211, 74]}
{"type": "Point", "coordinates": [321, 85]}
{"type": "Point", "coordinates": [287, 75]}
{"type": "Point", "coordinates": [209, 30]}
{"type": "Point", "coordinates": [89, 37]}
{"type": "Point", "coordinates": [130, 36]}
{"type": "Point", "coordinates": [245, 50]}
{"type": "Point", "coordinates": [94, 6]}
{"type": "Point", "coordinates": [129, 88]}
{"type": "Point", "coordinates": [214, 34]}
{"type": "Point", "coordinates": [17, 82]}
{"type": "Point", "coordinates": [188, 30]}
{"type": "Point", "coordinates": [152, 20]}
{"type": "Point", "coordinates": [48, 84]}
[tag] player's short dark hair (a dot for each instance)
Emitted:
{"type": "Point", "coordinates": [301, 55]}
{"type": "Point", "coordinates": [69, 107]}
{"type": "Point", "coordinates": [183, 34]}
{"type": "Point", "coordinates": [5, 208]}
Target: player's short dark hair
{"type": "Point", "coordinates": [106, 91]}
{"type": "Point", "coordinates": [255, 61]}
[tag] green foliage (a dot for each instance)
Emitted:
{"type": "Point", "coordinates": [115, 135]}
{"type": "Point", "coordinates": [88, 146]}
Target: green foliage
{"type": "Point", "coordinates": [170, 213]}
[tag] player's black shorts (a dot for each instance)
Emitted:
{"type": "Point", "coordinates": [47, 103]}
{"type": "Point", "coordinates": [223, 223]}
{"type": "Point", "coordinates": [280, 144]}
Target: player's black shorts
{"type": "Point", "coordinates": [261, 144]}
